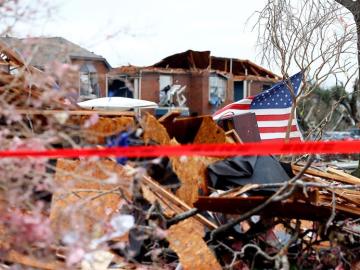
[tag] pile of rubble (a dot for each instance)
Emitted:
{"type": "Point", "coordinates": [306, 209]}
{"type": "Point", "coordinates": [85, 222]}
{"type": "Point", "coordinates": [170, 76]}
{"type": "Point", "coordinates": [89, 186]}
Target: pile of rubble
{"type": "Point", "coordinates": [188, 212]}
{"type": "Point", "coordinates": [196, 212]}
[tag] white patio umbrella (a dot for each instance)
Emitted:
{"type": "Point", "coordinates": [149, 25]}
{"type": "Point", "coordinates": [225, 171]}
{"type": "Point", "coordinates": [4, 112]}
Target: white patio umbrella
{"type": "Point", "coordinates": [117, 103]}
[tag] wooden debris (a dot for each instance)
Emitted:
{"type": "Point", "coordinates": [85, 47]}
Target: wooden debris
{"type": "Point", "coordinates": [154, 131]}
{"type": "Point", "coordinates": [106, 126]}
{"type": "Point", "coordinates": [241, 205]}
{"type": "Point", "coordinates": [232, 137]}
{"type": "Point", "coordinates": [192, 174]}
{"type": "Point", "coordinates": [346, 178]}
{"type": "Point", "coordinates": [317, 172]}
{"type": "Point", "coordinates": [183, 129]}
{"type": "Point", "coordinates": [338, 192]}
{"type": "Point", "coordinates": [191, 248]}
{"type": "Point", "coordinates": [90, 193]}
{"type": "Point", "coordinates": [209, 132]}
{"type": "Point", "coordinates": [169, 117]}
{"type": "Point", "coordinates": [347, 200]}
{"type": "Point", "coordinates": [190, 171]}
{"type": "Point", "coordinates": [171, 203]}
{"type": "Point", "coordinates": [245, 125]}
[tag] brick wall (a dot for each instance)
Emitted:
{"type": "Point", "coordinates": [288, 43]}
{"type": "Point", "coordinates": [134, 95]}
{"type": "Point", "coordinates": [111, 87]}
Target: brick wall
{"type": "Point", "coordinates": [198, 99]}
{"type": "Point", "coordinates": [256, 87]}
{"type": "Point", "coordinates": [197, 90]}
{"type": "Point", "coordinates": [150, 87]}
{"type": "Point", "coordinates": [196, 93]}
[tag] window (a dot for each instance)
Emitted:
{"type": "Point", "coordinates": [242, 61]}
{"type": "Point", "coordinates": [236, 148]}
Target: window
{"type": "Point", "coordinates": [121, 88]}
{"type": "Point", "coordinates": [89, 85]}
{"type": "Point", "coordinates": [217, 89]}
{"type": "Point", "coordinates": [165, 83]}
{"type": "Point", "coordinates": [266, 87]}
{"type": "Point", "coordinates": [165, 80]}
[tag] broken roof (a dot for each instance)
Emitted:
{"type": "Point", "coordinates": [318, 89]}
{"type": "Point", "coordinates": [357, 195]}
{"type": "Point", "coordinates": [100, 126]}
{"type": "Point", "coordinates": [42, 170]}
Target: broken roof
{"type": "Point", "coordinates": [38, 51]}
{"type": "Point", "coordinates": [186, 60]}
{"type": "Point", "coordinates": [202, 60]}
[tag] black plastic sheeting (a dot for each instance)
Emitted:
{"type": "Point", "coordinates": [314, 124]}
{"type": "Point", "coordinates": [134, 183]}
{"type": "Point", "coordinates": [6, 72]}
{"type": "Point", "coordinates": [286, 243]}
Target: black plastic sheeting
{"type": "Point", "coordinates": [239, 171]}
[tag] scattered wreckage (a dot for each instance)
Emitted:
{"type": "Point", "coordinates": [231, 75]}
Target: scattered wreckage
{"type": "Point", "coordinates": [190, 212]}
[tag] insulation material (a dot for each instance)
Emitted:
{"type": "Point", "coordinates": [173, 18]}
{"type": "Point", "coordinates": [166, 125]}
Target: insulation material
{"type": "Point", "coordinates": [192, 174]}
{"type": "Point", "coordinates": [154, 131]}
{"type": "Point", "coordinates": [210, 132]}
{"type": "Point", "coordinates": [88, 194]}
{"type": "Point", "coordinates": [190, 247]}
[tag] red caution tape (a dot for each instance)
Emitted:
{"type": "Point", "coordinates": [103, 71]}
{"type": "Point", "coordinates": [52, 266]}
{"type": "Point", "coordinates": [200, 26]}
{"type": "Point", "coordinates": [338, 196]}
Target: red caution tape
{"type": "Point", "coordinates": [218, 150]}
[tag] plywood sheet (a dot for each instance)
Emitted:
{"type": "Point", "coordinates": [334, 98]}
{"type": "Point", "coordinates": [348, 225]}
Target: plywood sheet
{"type": "Point", "coordinates": [154, 131]}
{"type": "Point", "coordinates": [106, 126]}
{"type": "Point", "coordinates": [87, 194]}
{"type": "Point", "coordinates": [192, 174]}
{"type": "Point", "coordinates": [189, 245]}
{"type": "Point", "coordinates": [210, 132]}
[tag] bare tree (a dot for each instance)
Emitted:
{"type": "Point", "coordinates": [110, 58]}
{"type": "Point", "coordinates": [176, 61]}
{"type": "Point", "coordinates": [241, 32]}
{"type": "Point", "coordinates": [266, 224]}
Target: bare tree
{"type": "Point", "coordinates": [354, 7]}
{"type": "Point", "coordinates": [314, 36]}
{"type": "Point", "coordinates": [16, 12]}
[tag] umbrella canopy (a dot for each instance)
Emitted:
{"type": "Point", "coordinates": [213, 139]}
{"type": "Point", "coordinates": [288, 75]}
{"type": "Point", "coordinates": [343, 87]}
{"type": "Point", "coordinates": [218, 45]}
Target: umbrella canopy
{"type": "Point", "coordinates": [118, 103]}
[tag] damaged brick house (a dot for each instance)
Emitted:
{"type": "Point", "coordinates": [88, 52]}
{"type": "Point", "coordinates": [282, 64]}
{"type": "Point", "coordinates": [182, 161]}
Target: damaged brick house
{"type": "Point", "coordinates": [90, 80]}
{"type": "Point", "coordinates": [210, 81]}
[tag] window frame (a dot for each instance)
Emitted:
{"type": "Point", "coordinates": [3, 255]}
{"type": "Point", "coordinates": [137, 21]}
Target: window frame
{"type": "Point", "coordinates": [223, 85]}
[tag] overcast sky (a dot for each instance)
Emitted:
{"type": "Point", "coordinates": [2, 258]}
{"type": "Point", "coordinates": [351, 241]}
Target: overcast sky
{"type": "Point", "coordinates": [142, 32]}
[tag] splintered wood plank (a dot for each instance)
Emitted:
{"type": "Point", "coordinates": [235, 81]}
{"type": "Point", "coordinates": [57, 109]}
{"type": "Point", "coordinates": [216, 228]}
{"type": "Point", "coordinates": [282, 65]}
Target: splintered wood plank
{"type": "Point", "coordinates": [169, 117]}
{"type": "Point", "coordinates": [189, 245]}
{"type": "Point", "coordinates": [346, 178]}
{"type": "Point", "coordinates": [171, 203]}
{"type": "Point", "coordinates": [88, 194]}
{"type": "Point", "coordinates": [232, 137]}
{"type": "Point", "coordinates": [319, 173]}
{"type": "Point", "coordinates": [338, 192]}
{"type": "Point", "coordinates": [192, 174]}
{"type": "Point", "coordinates": [169, 209]}
{"type": "Point", "coordinates": [154, 131]}
{"type": "Point", "coordinates": [210, 132]}
{"type": "Point", "coordinates": [346, 208]}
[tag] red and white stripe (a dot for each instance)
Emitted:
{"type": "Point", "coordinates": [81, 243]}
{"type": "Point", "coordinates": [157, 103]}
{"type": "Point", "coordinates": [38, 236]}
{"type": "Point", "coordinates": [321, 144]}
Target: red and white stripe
{"type": "Point", "coordinates": [272, 123]}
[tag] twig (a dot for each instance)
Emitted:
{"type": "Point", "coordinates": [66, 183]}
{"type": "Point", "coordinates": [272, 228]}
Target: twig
{"type": "Point", "coordinates": [333, 213]}
{"type": "Point", "coordinates": [259, 251]}
{"type": "Point", "coordinates": [192, 212]}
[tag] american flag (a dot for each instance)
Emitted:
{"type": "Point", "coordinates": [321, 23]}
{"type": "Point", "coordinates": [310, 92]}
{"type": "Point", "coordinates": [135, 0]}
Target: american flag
{"type": "Point", "coordinates": [272, 109]}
